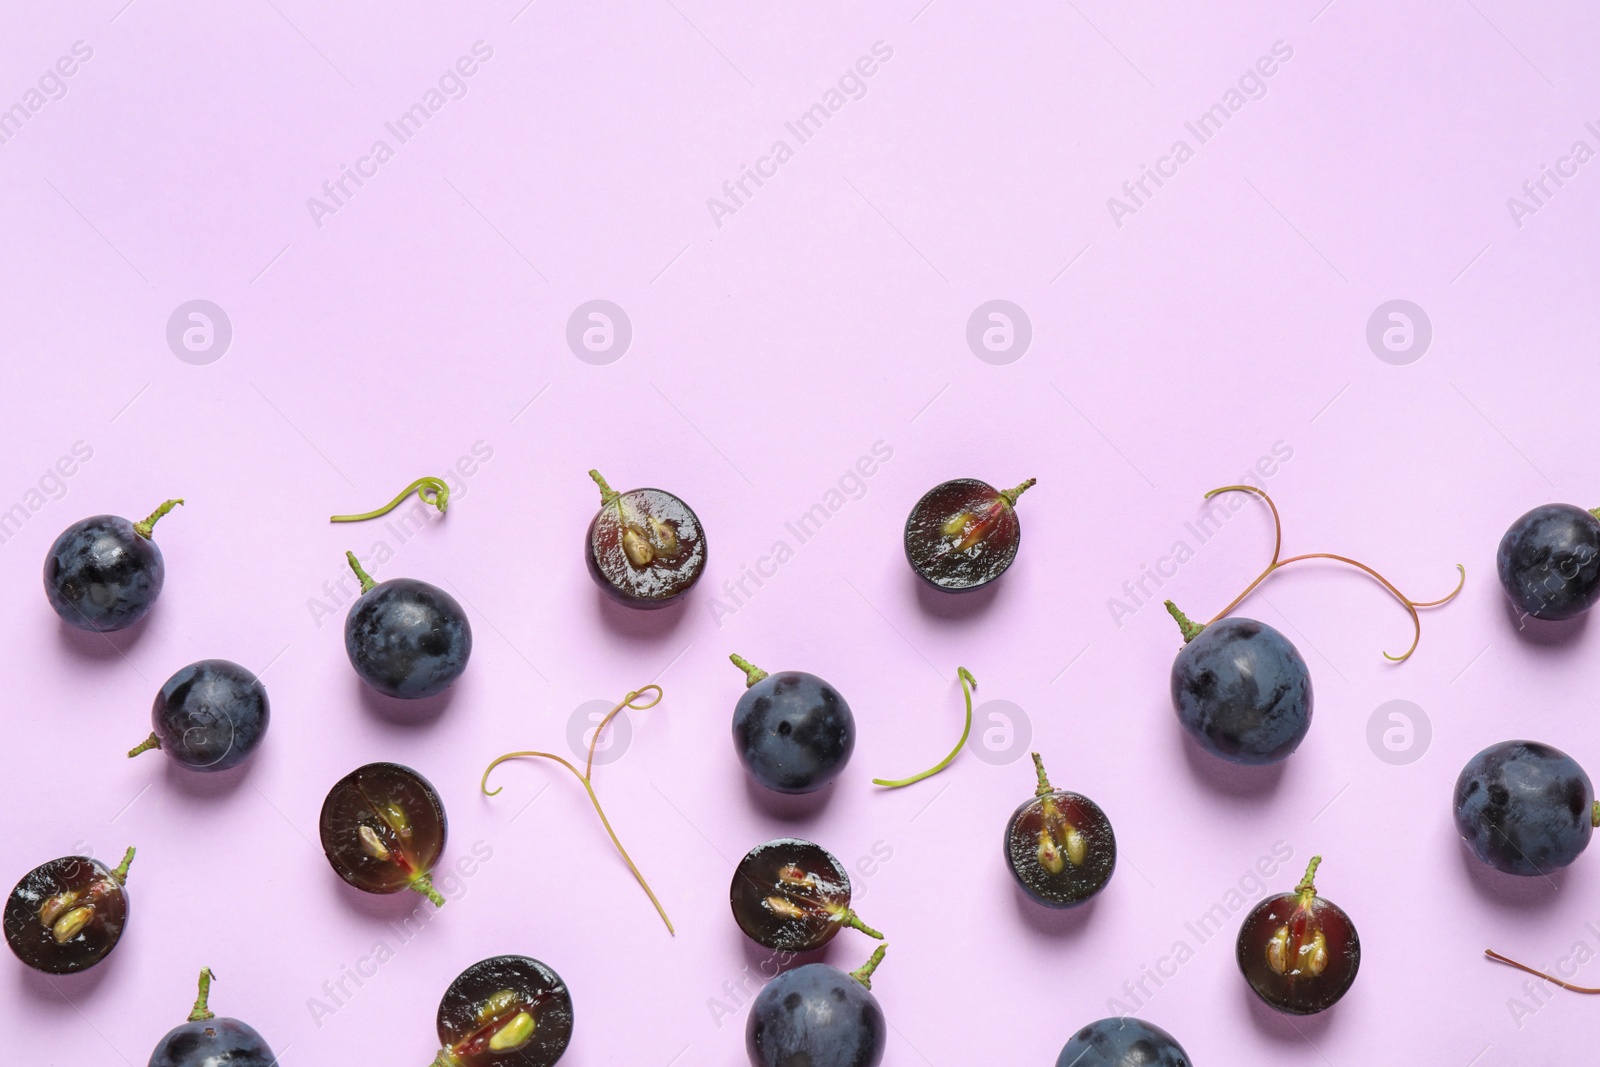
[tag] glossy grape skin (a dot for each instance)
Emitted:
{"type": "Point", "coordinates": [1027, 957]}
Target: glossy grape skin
{"type": "Point", "coordinates": [33, 940]}
{"type": "Point", "coordinates": [464, 1029]}
{"type": "Point", "coordinates": [1524, 808]}
{"type": "Point", "coordinates": [993, 528]}
{"type": "Point", "coordinates": [1549, 562]}
{"type": "Point", "coordinates": [1298, 991]}
{"type": "Point", "coordinates": [407, 639]}
{"type": "Point", "coordinates": [818, 1016]}
{"type": "Point", "coordinates": [211, 715]}
{"type": "Point", "coordinates": [401, 808]}
{"type": "Point", "coordinates": [824, 897]}
{"type": "Point", "coordinates": [1122, 1041]}
{"type": "Point", "coordinates": [1074, 883]}
{"type": "Point", "coordinates": [217, 1042]}
{"type": "Point", "coordinates": [672, 569]}
{"type": "Point", "coordinates": [1242, 691]}
{"type": "Point", "coordinates": [793, 731]}
{"type": "Point", "coordinates": [100, 575]}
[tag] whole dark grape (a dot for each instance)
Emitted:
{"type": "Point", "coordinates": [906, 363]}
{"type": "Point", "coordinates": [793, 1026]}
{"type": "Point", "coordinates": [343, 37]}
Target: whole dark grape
{"type": "Point", "coordinates": [1242, 691]}
{"type": "Point", "coordinates": [1122, 1041]}
{"type": "Point", "coordinates": [406, 638]}
{"type": "Point", "coordinates": [1549, 562]}
{"type": "Point", "coordinates": [817, 1016]}
{"type": "Point", "coordinates": [104, 573]}
{"type": "Point", "coordinates": [209, 716]}
{"type": "Point", "coordinates": [1524, 808]}
{"type": "Point", "coordinates": [208, 1041]}
{"type": "Point", "coordinates": [792, 730]}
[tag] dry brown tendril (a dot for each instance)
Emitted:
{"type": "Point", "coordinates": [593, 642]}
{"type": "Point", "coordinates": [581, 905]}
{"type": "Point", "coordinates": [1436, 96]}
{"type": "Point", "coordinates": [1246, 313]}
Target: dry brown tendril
{"type": "Point", "coordinates": [585, 776]}
{"type": "Point", "coordinates": [1493, 955]}
{"type": "Point", "coordinates": [1406, 602]}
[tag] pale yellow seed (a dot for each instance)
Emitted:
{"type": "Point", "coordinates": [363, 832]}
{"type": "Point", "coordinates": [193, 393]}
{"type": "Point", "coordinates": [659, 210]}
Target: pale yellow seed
{"type": "Point", "coordinates": [1077, 847]}
{"type": "Point", "coordinates": [1314, 957]}
{"type": "Point", "coordinates": [497, 1003]}
{"type": "Point", "coordinates": [68, 926]}
{"type": "Point", "coordinates": [956, 524]}
{"type": "Point", "coordinates": [513, 1035]}
{"type": "Point", "coordinates": [372, 844]}
{"type": "Point", "coordinates": [666, 537]}
{"type": "Point", "coordinates": [1278, 951]}
{"type": "Point", "coordinates": [784, 908]}
{"type": "Point", "coordinates": [57, 905]}
{"type": "Point", "coordinates": [637, 547]}
{"type": "Point", "coordinates": [395, 816]}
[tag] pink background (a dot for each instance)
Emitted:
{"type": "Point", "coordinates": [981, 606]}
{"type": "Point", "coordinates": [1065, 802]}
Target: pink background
{"type": "Point", "coordinates": [428, 315]}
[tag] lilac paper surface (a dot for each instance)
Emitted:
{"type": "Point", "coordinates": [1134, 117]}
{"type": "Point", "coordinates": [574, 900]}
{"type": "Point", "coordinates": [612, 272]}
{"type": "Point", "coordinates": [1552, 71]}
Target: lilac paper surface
{"type": "Point", "coordinates": [802, 357]}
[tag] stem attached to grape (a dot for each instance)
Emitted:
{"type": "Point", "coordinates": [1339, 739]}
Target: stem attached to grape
{"type": "Point", "coordinates": [863, 974]}
{"type": "Point", "coordinates": [146, 527]}
{"type": "Point", "coordinates": [202, 1010]}
{"type": "Point", "coordinates": [367, 584]}
{"type": "Point", "coordinates": [752, 673]}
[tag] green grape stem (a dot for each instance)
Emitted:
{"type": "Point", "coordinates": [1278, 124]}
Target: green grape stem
{"type": "Point", "coordinates": [752, 673]}
{"type": "Point", "coordinates": [202, 1010]}
{"type": "Point", "coordinates": [146, 527]}
{"type": "Point", "coordinates": [863, 974]}
{"type": "Point", "coordinates": [968, 684]}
